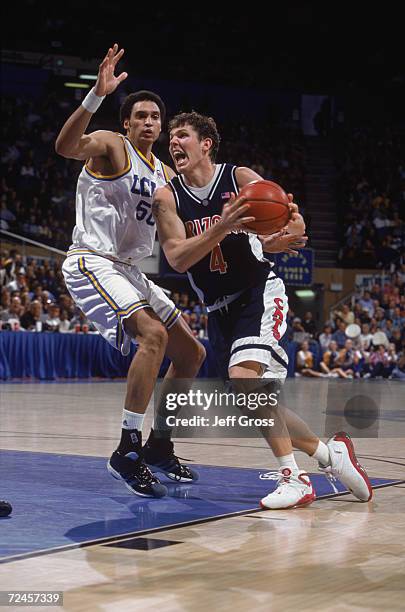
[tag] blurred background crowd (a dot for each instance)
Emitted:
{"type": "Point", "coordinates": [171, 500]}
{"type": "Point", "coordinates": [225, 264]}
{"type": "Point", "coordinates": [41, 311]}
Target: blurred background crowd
{"type": "Point", "coordinates": [363, 338]}
{"type": "Point", "coordinates": [371, 197]}
{"type": "Point", "coordinates": [37, 191]}
{"type": "Point", "coordinates": [343, 159]}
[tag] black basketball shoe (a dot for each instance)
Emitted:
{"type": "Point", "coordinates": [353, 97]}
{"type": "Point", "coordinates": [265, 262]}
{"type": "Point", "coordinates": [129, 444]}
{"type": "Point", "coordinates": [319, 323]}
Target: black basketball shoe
{"type": "Point", "coordinates": [159, 456]}
{"type": "Point", "coordinates": [136, 475]}
{"type": "Point", "coordinates": [127, 464]}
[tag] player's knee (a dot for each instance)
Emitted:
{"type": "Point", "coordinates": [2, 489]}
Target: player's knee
{"type": "Point", "coordinates": [154, 338]}
{"type": "Point", "coordinates": [190, 359]}
{"type": "Point", "coordinates": [247, 369]}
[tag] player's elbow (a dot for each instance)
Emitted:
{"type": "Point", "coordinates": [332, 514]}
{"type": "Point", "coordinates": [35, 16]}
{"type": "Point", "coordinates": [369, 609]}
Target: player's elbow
{"type": "Point", "coordinates": [178, 265]}
{"type": "Point", "coordinates": [61, 148]}
{"type": "Point", "coordinates": [174, 253]}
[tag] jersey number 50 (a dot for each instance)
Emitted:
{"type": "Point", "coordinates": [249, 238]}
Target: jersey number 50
{"type": "Point", "coordinates": [142, 209]}
{"type": "Point", "coordinates": [217, 261]}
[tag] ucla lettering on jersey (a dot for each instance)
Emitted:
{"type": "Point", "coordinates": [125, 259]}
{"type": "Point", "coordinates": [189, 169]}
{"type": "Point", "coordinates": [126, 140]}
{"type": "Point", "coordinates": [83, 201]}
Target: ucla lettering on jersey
{"type": "Point", "coordinates": [235, 264]}
{"type": "Point", "coordinates": [114, 213]}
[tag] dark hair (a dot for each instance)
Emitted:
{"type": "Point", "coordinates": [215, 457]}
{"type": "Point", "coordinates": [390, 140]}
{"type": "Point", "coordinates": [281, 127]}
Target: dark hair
{"type": "Point", "coordinates": [140, 96]}
{"type": "Point", "coordinates": [204, 126]}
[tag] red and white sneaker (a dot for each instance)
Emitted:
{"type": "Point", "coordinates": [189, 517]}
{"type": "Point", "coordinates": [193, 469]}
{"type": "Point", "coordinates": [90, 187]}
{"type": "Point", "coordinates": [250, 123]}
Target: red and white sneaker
{"type": "Point", "coordinates": [345, 467]}
{"type": "Point", "coordinates": [294, 489]}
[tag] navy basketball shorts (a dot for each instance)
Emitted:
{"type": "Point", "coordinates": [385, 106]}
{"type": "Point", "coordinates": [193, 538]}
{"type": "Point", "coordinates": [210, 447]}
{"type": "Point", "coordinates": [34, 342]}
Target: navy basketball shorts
{"type": "Point", "coordinates": [250, 329]}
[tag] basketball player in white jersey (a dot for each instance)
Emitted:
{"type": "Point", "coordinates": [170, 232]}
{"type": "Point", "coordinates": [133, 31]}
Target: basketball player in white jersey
{"type": "Point", "coordinates": [114, 230]}
{"type": "Point", "coordinates": [199, 225]}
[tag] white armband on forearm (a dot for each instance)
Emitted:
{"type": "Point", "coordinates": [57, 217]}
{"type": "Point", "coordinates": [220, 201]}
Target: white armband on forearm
{"type": "Point", "coordinates": [92, 101]}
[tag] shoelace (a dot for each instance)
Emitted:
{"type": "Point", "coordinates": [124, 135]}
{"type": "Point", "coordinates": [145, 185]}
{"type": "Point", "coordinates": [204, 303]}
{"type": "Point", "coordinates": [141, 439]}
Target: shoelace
{"type": "Point", "coordinates": [144, 474]}
{"type": "Point", "coordinates": [275, 476]}
{"type": "Point", "coordinates": [184, 471]}
{"type": "Point", "coordinates": [169, 450]}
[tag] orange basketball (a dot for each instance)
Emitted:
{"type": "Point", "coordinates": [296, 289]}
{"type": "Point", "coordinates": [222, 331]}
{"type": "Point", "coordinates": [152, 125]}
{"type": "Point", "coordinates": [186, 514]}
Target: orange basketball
{"type": "Point", "coordinates": [268, 204]}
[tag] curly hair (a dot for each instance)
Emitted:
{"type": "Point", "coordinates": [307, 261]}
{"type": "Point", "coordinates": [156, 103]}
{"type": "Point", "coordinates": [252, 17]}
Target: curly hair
{"type": "Point", "coordinates": [204, 126]}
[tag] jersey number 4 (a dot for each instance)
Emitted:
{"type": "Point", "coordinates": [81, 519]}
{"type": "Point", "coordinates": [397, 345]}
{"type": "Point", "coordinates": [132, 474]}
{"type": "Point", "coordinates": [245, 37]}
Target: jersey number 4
{"type": "Point", "coordinates": [217, 261]}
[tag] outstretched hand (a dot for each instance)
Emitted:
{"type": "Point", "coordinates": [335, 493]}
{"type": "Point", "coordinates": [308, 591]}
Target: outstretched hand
{"type": "Point", "coordinates": [281, 242]}
{"type": "Point", "coordinates": [107, 82]}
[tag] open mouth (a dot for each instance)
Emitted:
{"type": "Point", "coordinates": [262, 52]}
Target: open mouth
{"type": "Point", "coordinates": [179, 157]}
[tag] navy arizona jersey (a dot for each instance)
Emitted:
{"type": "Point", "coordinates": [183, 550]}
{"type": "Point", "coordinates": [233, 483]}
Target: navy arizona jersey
{"type": "Point", "coordinates": [237, 262]}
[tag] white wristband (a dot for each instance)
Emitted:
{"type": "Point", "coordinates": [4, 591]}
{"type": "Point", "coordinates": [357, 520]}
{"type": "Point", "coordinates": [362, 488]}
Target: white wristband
{"type": "Point", "coordinates": [92, 101]}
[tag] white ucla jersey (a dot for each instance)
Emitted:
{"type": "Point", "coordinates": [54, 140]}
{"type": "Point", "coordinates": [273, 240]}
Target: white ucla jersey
{"type": "Point", "coordinates": [114, 213]}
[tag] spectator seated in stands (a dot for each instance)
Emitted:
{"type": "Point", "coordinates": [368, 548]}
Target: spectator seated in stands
{"type": "Point", "coordinates": [325, 337]}
{"type": "Point", "coordinates": [11, 316]}
{"type": "Point", "coordinates": [365, 339]}
{"type": "Point", "coordinates": [345, 314]}
{"type": "Point", "coordinates": [329, 365]}
{"type": "Point", "coordinates": [33, 318]}
{"type": "Point", "coordinates": [381, 363]}
{"type": "Point", "coordinates": [305, 362]}
{"type": "Point", "coordinates": [298, 333]}
{"type": "Point", "coordinates": [349, 360]}
{"type": "Point", "coordinates": [339, 335]}
{"type": "Point", "coordinates": [64, 322]}
{"type": "Point", "coordinates": [398, 371]}
{"type": "Point", "coordinates": [52, 321]}
{"type": "Point", "coordinates": [20, 282]}
{"type": "Point", "coordinates": [367, 303]}
{"type": "Point", "coordinates": [5, 300]}
{"type": "Point", "coordinates": [371, 196]}
{"type": "Point", "coordinates": [309, 324]}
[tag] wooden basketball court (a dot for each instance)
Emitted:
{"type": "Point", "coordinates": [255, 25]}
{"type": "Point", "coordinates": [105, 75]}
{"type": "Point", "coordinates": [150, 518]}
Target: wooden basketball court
{"type": "Point", "coordinates": [338, 554]}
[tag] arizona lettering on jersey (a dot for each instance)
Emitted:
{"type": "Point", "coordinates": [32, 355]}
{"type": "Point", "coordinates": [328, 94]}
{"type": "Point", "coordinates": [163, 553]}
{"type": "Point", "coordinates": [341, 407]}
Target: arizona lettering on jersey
{"type": "Point", "coordinates": [236, 263]}
{"type": "Point", "coordinates": [114, 213]}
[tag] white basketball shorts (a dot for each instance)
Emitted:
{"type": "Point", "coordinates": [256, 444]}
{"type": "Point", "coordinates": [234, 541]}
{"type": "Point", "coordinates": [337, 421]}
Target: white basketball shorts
{"type": "Point", "coordinates": [108, 292]}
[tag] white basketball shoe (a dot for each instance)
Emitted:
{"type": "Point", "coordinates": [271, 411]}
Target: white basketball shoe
{"type": "Point", "coordinates": [294, 489]}
{"type": "Point", "coordinates": [345, 467]}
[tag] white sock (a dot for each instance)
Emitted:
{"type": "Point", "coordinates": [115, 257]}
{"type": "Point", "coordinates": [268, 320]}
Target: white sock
{"type": "Point", "coordinates": [288, 461]}
{"type": "Point", "coordinates": [322, 454]}
{"type": "Point", "coordinates": [132, 420]}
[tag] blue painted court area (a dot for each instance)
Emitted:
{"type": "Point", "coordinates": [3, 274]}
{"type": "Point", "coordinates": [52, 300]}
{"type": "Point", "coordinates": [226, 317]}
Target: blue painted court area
{"type": "Point", "coordinates": [60, 500]}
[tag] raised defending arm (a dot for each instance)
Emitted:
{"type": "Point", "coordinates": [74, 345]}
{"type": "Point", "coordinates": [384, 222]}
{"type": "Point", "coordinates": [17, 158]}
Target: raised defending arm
{"type": "Point", "coordinates": [72, 142]}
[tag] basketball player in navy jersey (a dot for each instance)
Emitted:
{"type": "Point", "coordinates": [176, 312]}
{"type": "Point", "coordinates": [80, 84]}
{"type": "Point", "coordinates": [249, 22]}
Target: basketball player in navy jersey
{"type": "Point", "coordinates": [114, 231]}
{"type": "Point", "coordinates": [200, 224]}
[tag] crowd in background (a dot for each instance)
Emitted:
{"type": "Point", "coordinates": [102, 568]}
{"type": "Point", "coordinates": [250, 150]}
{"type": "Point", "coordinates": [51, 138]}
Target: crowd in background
{"type": "Point", "coordinates": [37, 192]}
{"type": "Point", "coordinates": [365, 339]}
{"type": "Point", "coordinates": [371, 196]}
{"type": "Point", "coordinates": [34, 298]}
{"type": "Point", "coordinates": [37, 187]}
{"type": "Point", "coordinates": [37, 197]}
